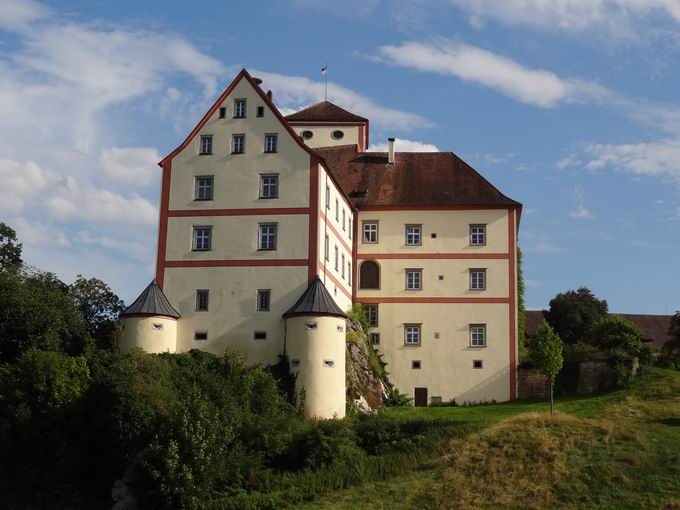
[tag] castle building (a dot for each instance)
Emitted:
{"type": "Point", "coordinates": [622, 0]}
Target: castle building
{"type": "Point", "coordinates": [271, 227]}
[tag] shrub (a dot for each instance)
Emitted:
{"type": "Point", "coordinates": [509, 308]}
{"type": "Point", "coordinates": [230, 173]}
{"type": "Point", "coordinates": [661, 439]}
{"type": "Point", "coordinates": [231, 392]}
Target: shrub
{"type": "Point", "coordinates": [397, 399]}
{"type": "Point", "coordinates": [323, 443]}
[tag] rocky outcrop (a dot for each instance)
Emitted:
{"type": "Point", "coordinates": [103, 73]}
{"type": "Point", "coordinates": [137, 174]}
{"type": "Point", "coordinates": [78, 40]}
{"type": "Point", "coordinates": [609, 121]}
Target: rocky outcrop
{"type": "Point", "coordinates": [366, 385]}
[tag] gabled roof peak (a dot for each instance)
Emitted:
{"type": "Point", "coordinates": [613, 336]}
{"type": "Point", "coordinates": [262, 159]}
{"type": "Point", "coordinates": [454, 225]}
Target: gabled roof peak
{"type": "Point", "coordinates": [324, 111]}
{"type": "Point", "coordinates": [316, 300]}
{"type": "Point", "coordinates": [151, 302]}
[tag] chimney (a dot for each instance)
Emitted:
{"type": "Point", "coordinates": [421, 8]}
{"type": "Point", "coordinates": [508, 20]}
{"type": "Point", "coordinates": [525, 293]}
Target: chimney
{"type": "Point", "coordinates": [269, 95]}
{"type": "Point", "coordinates": [390, 151]}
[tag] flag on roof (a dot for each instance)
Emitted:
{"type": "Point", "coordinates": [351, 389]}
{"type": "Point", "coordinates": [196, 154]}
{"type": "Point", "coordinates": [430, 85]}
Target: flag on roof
{"type": "Point", "coordinates": [324, 70]}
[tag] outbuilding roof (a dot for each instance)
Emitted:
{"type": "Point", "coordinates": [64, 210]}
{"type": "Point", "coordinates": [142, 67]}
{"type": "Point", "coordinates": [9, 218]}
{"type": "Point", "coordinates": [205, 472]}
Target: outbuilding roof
{"type": "Point", "coordinates": [414, 179]}
{"type": "Point", "coordinates": [325, 111]}
{"type": "Point", "coordinates": [151, 302]}
{"type": "Point", "coordinates": [315, 301]}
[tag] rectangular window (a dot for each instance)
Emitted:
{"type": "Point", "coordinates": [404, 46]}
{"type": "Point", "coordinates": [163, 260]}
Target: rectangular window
{"type": "Point", "coordinates": [328, 198]}
{"type": "Point", "coordinates": [263, 300]}
{"type": "Point", "coordinates": [223, 112]}
{"type": "Point", "coordinates": [269, 186]}
{"type": "Point", "coordinates": [205, 147]}
{"type": "Point", "coordinates": [412, 334]}
{"type": "Point", "coordinates": [337, 210]}
{"type": "Point", "coordinates": [349, 273]}
{"type": "Point", "coordinates": [327, 249]}
{"type": "Point", "coordinates": [413, 237]}
{"type": "Point", "coordinates": [260, 335]}
{"type": "Point", "coordinates": [202, 300]}
{"type": "Point", "coordinates": [415, 364]}
{"type": "Point", "coordinates": [239, 108]}
{"type": "Point", "coordinates": [372, 314]}
{"type": "Point", "coordinates": [260, 111]}
{"type": "Point", "coordinates": [202, 239]}
{"type": "Point", "coordinates": [238, 144]}
{"type": "Point", "coordinates": [200, 335]}
{"type": "Point", "coordinates": [336, 257]}
{"type": "Point", "coordinates": [477, 235]}
{"type": "Point", "coordinates": [203, 189]}
{"type": "Point", "coordinates": [375, 338]}
{"type": "Point", "coordinates": [477, 335]}
{"type": "Point", "coordinates": [267, 236]}
{"type": "Point", "coordinates": [343, 218]}
{"type": "Point", "coordinates": [350, 228]}
{"type": "Point", "coordinates": [414, 279]}
{"type": "Point", "coordinates": [477, 279]}
{"type": "Point", "coordinates": [370, 232]}
{"type": "Point", "coordinates": [342, 266]}
{"type": "Point", "coordinates": [477, 363]}
{"type": "Point", "coordinates": [271, 142]}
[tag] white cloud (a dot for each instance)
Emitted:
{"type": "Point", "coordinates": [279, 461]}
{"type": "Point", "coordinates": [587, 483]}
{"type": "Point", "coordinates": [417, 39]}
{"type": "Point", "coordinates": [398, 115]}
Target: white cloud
{"type": "Point", "coordinates": [582, 213]}
{"type": "Point", "coordinates": [296, 92]}
{"type": "Point", "coordinates": [472, 64]}
{"type": "Point", "coordinates": [18, 14]}
{"type": "Point", "coordinates": [20, 181]}
{"type": "Point", "coordinates": [134, 165]}
{"type": "Point", "coordinates": [567, 15]}
{"type": "Point", "coordinates": [404, 145]}
{"type": "Point", "coordinates": [660, 158]}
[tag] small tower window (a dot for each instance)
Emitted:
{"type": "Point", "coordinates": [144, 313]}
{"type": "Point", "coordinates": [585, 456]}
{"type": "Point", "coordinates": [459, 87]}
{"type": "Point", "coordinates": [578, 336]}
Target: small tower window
{"type": "Point", "coordinates": [415, 364]}
{"type": "Point", "coordinates": [307, 134]}
{"type": "Point", "coordinates": [157, 326]}
{"type": "Point", "coordinates": [328, 363]}
{"type": "Point", "coordinates": [260, 335]}
{"type": "Point", "coordinates": [311, 325]}
{"type": "Point", "coordinates": [337, 135]}
{"type": "Point", "coordinates": [200, 335]}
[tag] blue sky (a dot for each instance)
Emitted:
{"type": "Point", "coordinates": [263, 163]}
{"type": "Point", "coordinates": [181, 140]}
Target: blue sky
{"type": "Point", "coordinates": [569, 106]}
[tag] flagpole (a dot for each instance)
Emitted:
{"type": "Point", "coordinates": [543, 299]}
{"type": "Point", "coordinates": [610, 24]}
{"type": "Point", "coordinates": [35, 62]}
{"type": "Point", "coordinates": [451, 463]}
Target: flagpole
{"type": "Point", "coordinates": [325, 88]}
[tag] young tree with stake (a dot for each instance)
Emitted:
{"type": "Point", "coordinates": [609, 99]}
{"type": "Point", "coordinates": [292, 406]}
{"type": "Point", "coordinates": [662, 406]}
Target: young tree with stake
{"type": "Point", "coordinates": [546, 355]}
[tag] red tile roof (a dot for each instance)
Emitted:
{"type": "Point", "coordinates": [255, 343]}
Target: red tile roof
{"type": "Point", "coordinates": [415, 179]}
{"type": "Point", "coordinates": [325, 111]}
{"type": "Point", "coordinates": [654, 327]}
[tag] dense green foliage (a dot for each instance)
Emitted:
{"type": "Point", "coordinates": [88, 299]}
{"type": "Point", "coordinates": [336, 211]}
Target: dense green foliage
{"type": "Point", "coordinates": [572, 313]}
{"type": "Point", "coordinates": [670, 352]}
{"type": "Point", "coordinates": [100, 308]}
{"type": "Point", "coordinates": [10, 248]}
{"type": "Point", "coordinates": [546, 355]}
{"type": "Point", "coordinates": [523, 354]}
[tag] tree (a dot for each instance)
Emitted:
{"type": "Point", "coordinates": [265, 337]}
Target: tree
{"type": "Point", "coordinates": [573, 312]}
{"type": "Point", "coordinates": [546, 355]}
{"type": "Point", "coordinates": [670, 351]}
{"type": "Point", "coordinates": [10, 249]}
{"type": "Point", "coordinates": [100, 307]}
{"type": "Point", "coordinates": [520, 307]}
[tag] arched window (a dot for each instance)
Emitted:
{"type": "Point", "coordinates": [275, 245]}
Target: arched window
{"type": "Point", "coordinates": [369, 275]}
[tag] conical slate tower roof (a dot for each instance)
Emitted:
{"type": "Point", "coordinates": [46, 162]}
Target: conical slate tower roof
{"type": "Point", "coordinates": [325, 111]}
{"type": "Point", "coordinates": [151, 302]}
{"type": "Point", "coordinates": [315, 301]}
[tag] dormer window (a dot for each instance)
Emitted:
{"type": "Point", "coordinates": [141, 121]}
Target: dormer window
{"type": "Point", "coordinates": [337, 135]}
{"type": "Point", "coordinates": [239, 108]}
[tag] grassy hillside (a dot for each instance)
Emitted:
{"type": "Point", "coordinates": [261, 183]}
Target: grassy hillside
{"type": "Point", "coordinates": [618, 450]}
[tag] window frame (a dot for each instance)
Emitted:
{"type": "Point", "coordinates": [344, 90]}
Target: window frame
{"type": "Point", "coordinates": [206, 293]}
{"type": "Point", "coordinates": [474, 236]}
{"type": "Point", "coordinates": [474, 281]}
{"type": "Point", "coordinates": [342, 265]}
{"type": "Point", "coordinates": [195, 237]}
{"type": "Point", "coordinates": [414, 271]}
{"type": "Point", "coordinates": [264, 186]}
{"type": "Point", "coordinates": [242, 147]}
{"type": "Point", "coordinates": [259, 111]}
{"type": "Point", "coordinates": [258, 302]}
{"type": "Point", "coordinates": [261, 236]}
{"type": "Point", "coordinates": [411, 329]}
{"type": "Point", "coordinates": [327, 248]}
{"type": "Point", "coordinates": [375, 314]}
{"type": "Point", "coordinates": [269, 147]}
{"type": "Point", "coordinates": [336, 252]}
{"type": "Point", "coordinates": [222, 112]}
{"type": "Point", "coordinates": [364, 224]}
{"type": "Point", "coordinates": [337, 210]}
{"type": "Point", "coordinates": [201, 145]}
{"type": "Point", "coordinates": [473, 332]}
{"type": "Point", "coordinates": [200, 332]}
{"type": "Point", "coordinates": [361, 287]}
{"type": "Point", "coordinates": [416, 364]}
{"type": "Point", "coordinates": [198, 188]}
{"type": "Point", "coordinates": [408, 226]}
{"type": "Point", "coordinates": [238, 103]}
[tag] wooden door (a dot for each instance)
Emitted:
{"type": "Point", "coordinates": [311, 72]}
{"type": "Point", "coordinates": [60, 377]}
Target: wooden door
{"type": "Point", "coordinates": [420, 395]}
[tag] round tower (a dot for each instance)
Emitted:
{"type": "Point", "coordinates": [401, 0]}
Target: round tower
{"type": "Point", "coordinates": [150, 322]}
{"type": "Point", "coordinates": [315, 344]}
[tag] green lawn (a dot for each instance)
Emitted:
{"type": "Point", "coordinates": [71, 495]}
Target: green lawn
{"type": "Point", "coordinates": [616, 450]}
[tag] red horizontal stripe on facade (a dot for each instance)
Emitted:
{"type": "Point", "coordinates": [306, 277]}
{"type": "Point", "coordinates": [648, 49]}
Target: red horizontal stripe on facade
{"type": "Point", "coordinates": [337, 234]}
{"type": "Point", "coordinates": [433, 300]}
{"type": "Point", "coordinates": [264, 211]}
{"type": "Point", "coordinates": [337, 282]}
{"type": "Point", "coordinates": [432, 256]}
{"type": "Point", "coordinates": [236, 263]}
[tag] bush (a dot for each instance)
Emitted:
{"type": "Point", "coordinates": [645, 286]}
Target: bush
{"type": "Point", "coordinates": [323, 443]}
{"type": "Point", "coordinates": [397, 399]}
